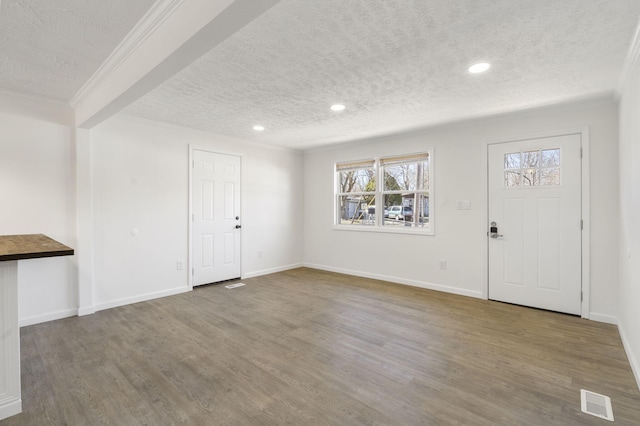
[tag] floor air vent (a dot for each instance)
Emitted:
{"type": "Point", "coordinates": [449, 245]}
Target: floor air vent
{"type": "Point", "coordinates": [234, 285]}
{"type": "Point", "coordinates": [596, 404]}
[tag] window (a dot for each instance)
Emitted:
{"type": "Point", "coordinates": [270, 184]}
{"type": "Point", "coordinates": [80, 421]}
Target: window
{"type": "Point", "coordinates": [397, 187]}
{"type": "Point", "coordinates": [532, 168]}
{"type": "Point", "coordinates": [356, 192]}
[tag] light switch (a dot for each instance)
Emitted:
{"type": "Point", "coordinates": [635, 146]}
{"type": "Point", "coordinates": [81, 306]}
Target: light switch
{"type": "Point", "coordinates": [464, 205]}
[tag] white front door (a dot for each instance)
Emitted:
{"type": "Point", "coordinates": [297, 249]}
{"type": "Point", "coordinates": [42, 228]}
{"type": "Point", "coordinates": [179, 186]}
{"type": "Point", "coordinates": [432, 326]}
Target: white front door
{"type": "Point", "coordinates": [215, 204]}
{"type": "Point", "coordinates": [535, 223]}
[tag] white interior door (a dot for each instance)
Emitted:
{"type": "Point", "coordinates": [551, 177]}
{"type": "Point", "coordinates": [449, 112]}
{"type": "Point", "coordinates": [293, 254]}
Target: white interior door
{"type": "Point", "coordinates": [215, 204]}
{"type": "Point", "coordinates": [535, 206]}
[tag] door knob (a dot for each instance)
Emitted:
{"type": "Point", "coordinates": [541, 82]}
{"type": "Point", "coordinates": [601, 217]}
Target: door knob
{"type": "Point", "coordinates": [238, 226]}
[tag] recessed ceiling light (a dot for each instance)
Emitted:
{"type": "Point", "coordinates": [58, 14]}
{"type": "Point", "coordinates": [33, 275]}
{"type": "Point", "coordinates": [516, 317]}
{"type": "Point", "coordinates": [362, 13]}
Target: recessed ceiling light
{"type": "Point", "coordinates": [480, 67]}
{"type": "Point", "coordinates": [258, 128]}
{"type": "Point", "coordinates": [337, 107]}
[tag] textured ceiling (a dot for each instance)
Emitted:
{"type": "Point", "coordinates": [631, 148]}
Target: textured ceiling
{"type": "Point", "coordinates": [396, 64]}
{"type": "Point", "coordinates": [50, 48]}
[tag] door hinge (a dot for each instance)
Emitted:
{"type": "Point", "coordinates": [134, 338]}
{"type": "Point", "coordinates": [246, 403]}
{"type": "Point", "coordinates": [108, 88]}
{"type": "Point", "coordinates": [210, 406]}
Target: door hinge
{"type": "Point", "coordinates": [581, 296]}
{"type": "Point", "coordinates": [581, 153]}
{"type": "Point", "coordinates": [581, 224]}
{"type": "Point", "coordinates": [193, 271]}
{"type": "Point", "coordinates": [193, 217]}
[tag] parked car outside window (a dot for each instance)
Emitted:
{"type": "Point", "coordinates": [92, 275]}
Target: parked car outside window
{"type": "Point", "coordinates": [400, 213]}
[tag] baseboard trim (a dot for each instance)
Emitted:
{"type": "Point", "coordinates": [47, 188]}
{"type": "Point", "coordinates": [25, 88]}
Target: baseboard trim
{"type": "Point", "coordinates": [633, 360]}
{"type": "Point", "coordinates": [51, 316]}
{"type": "Point", "coordinates": [87, 310]}
{"type": "Point", "coordinates": [11, 409]}
{"type": "Point", "coordinates": [608, 319]}
{"type": "Point", "coordinates": [398, 280]}
{"type": "Point", "coordinates": [141, 298]}
{"type": "Point", "coordinates": [272, 270]}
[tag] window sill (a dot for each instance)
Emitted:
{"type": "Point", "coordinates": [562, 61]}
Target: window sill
{"type": "Point", "coordinates": [384, 230]}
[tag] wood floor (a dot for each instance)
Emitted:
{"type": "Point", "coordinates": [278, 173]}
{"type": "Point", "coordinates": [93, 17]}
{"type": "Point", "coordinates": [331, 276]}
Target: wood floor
{"type": "Point", "coordinates": [307, 347]}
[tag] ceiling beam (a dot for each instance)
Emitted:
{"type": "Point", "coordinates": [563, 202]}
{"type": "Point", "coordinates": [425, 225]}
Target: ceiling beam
{"type": "Point", "coordinates": [172, 35]}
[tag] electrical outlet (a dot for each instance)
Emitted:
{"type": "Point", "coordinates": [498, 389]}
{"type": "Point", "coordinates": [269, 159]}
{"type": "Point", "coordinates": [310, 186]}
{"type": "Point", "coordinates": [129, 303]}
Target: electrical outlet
{"type": "Point", "coordinates": [443, 264]}
{"type": "Point", "coordinates": [259, 254]}
{"type": "Point", "coordinates": [179, 265]}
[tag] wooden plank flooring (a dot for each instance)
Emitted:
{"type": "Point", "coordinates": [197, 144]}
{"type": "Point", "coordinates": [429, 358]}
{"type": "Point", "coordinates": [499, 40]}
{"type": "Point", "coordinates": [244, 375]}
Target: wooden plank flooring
{"type": "Point", "coordinates": [307, 347]}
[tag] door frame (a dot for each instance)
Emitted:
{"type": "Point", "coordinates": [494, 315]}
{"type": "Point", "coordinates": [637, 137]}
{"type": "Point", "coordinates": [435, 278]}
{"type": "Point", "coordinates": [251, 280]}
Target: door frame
{"type": "Point", "coordinates": [585, 191]}
{"type": "Point", "coordinates": [192, 148]}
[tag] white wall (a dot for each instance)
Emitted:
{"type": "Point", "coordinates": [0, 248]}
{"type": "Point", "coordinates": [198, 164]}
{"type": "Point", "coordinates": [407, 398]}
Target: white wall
{"type": "Point", "coordinates": [37, 193]}
{"type": "Point", "coordinates": [629, 312]}
{"type": "Point", "coordinates": [138, 177]}
{"type": "Point", "coordinates": [140, 183]}
{"type": "Point", "coordinates": [459, 150]}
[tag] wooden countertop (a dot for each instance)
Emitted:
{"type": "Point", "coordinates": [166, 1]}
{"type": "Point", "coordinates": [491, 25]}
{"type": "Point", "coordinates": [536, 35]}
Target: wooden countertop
{"type": "Point", "coordinates": [17, 247]}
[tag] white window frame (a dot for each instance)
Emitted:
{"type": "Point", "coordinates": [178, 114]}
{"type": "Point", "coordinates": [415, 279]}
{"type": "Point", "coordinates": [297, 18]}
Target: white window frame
{"type": "Point", "coordinates": [379, 193]}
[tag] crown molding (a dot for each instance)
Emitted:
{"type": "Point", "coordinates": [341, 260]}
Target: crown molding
{"type": "Point", "coordinates": [54, 102]}
{"type": "Point", "coordinates": [150, 22]}
{"type": "Point", "coordinates": [630, 62]}
{"type": "Point", "coordinates": [38, 107]}
{"type": "Point", "coordinates": [200, 133]}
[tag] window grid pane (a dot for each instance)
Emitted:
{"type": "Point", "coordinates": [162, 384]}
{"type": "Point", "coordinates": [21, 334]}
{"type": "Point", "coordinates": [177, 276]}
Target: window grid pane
{"type": "Point", "coordinates": [406, 177]}
{"type": "Point", "coordinates": [406, 210]}
{"type": "Point", "coordinates": [550, 176]}
{"type": "Point", "coordinates": [512, 178]}
{"type": "Point", "coordinates": [356, 180]}
{"type": "Point", "coordinates": [356, 210]}
{"type": "Point", "coordinates": [532, 168]}
{"type": "Point", "coordinates": [512, 161]}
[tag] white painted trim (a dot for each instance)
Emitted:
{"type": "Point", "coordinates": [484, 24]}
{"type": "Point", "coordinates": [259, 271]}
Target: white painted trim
{"type": "Point", "coordinates": [142, 298]}
{"type": "Point", "coordinates": [39, 107]}
{"type": "Point", "coordinates": [194, 147]}
{"type": "Point", "coordinates": [585, 197]}
{"type": "Point", "coordinates": [604, 318]}
{"type": "Point", "coordinates": [384, 229]}
{"type": "Point", "coordinates": [191, 148]}
{"type": "Point", "coordinates": [87, 310]}
{"type": "Point", "coordinates": [485, 219]}
{"type": "Point", "coordinates": [150, 22]}
{"type": "Point", "coordinates": [433, 210]}
{"type": "Point", "coordinates": [272, 270]}
{"type": "Point", "coordinates": [10, 388]}
{"type": "Point", "coordinates": [201, 134]}
{"type": "Point", "coordinates": [538, 135]}
{"type": "Point", "coordinates": [630, 61]}
{"type": "Point", "coordinates": [36, 99]}
{"type": "Point", "coordinates": [11, 409]}
{"type": "Point", "coordinates": [398, 280]}
{"type": "Point", "coordinates": [243, 230]}
{"type": "Point", "coordinates": [51, 316]}
{"type": "Point", "coordinates": [633, 359]}
{"type": "Point", "coordinates": [586, 216]}
{"type": "Point", "coordinates": [84, 220]}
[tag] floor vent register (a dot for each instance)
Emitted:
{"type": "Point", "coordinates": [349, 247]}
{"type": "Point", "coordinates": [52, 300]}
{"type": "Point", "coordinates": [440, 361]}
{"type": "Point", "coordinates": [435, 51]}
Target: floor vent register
{"type": "Point", "coordinates": [234, 285]}
{"type": "Point", "coordinates": [596, 404]}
